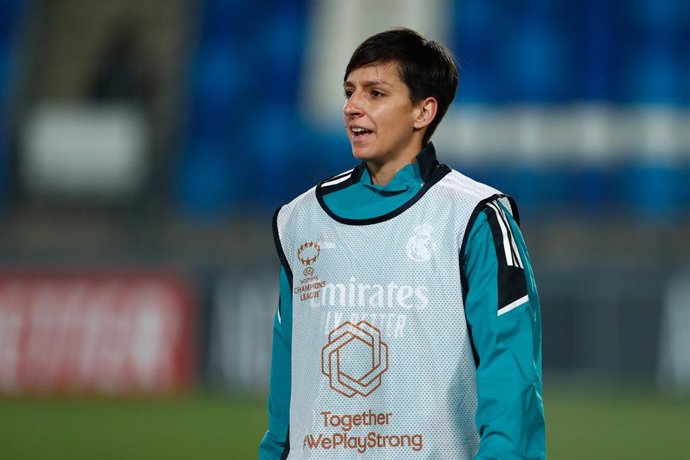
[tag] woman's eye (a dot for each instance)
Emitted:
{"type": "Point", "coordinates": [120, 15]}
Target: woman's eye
{"type": "Point", "coordinates": [375, 93]}
{"type": "Point", "coordinates": [348, 94]}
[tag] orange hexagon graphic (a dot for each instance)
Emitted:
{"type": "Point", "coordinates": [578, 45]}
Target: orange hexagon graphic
{"type": "Point", "coordinates": [363, 340]}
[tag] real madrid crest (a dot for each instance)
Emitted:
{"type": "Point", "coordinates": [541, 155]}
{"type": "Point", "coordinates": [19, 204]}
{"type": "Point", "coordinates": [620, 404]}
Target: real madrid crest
{"type": "Point", "coordinates": [420, 246]}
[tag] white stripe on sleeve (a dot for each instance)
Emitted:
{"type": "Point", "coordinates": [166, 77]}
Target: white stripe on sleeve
{"type": "Point", "coordinates": [513, 305]}
{"type": "Point", "coordinates": [512, 238]}
{"type": "Point", "coordinates": [504, 232]}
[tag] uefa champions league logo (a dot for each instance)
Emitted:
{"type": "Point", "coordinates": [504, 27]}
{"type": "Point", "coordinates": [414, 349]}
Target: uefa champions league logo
{"type": "Point", "coordinates": [310, 286]}
{"type": "Point", "coordinates": [420, 247]}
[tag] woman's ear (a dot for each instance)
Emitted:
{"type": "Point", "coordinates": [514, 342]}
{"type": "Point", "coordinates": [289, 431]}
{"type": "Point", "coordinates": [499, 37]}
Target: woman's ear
{"type": "Point", "coordinates": [427, 112]}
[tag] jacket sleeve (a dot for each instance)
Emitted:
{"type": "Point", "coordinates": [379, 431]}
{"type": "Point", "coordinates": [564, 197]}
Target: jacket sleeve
{"type": "Point", "coordinates": [502, 311]}
{"type": "Point", "coordinates": [275, 443]}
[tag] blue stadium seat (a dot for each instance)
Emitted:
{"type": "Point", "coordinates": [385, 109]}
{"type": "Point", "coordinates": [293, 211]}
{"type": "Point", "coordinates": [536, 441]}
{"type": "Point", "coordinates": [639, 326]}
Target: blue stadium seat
{"type": "Point", "coordinates": [593, 188]}
{"type": "Point", "coordinates": [654, 191]}
{"type": "Point", "coordinates": [10, 12]}
{"type": "Point", "coordinates": [537, 64]}
{"type": "Point", "coordinates": [218, 85]}
{"type": "Point", "coordinates": [207, 182]}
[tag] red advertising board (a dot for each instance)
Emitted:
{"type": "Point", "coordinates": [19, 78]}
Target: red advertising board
{"type": "Point", "coordinates": [104, 333]}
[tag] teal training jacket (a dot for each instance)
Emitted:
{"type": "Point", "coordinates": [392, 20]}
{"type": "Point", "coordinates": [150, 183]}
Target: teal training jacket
{"type": "Point", "coordinates": [505, 326]}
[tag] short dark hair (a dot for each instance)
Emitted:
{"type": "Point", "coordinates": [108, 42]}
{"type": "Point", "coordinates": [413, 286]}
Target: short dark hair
{"type": "Point", "coordinates": [425, 66]}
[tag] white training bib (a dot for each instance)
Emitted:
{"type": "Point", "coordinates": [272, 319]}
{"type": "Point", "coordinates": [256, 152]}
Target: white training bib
{"type": "Point", "coordinates": [382, 365]}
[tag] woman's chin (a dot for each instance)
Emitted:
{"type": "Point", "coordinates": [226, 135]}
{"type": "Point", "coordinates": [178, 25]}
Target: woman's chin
{"type": "Point", "coordinates": [364, 154]}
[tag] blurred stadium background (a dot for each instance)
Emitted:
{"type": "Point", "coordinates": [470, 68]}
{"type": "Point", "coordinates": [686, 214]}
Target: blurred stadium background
{"type": "Point", "coordinates": [145, 143]}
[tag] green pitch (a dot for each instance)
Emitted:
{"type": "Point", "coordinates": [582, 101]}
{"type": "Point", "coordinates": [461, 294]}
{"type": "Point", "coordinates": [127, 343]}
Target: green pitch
{"type": "Point", "coordinates": [607, 425]}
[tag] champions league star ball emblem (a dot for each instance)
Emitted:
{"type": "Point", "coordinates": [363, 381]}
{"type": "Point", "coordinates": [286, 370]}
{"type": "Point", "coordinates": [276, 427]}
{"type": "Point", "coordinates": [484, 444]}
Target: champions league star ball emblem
{"type": "Point", "coordinates": [308, 253]}
{"type": "Point", "coordinates": [420, 247]}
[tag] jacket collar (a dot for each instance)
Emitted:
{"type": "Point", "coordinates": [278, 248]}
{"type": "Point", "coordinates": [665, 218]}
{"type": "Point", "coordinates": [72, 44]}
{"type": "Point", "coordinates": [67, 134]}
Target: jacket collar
{"type": "Point", "coordinates": [426, 161]}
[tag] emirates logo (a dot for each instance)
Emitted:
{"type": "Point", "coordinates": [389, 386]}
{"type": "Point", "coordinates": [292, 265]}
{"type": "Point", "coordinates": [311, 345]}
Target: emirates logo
{"type": "Point", "coordinates": [308, 253]}
{"type": "Point", "coordinates": [354, 359]}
